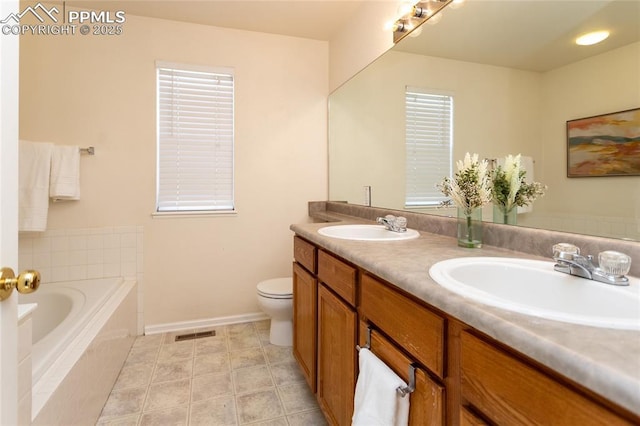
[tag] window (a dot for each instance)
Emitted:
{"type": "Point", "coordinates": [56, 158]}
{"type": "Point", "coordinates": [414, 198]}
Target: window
{"type": "Point", "coordinates": [429, 144]}
{"type": "Point", "coordinates": [195, 139]}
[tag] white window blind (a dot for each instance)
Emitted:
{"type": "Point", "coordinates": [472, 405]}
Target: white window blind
{"type": "Point", "coordinates": [429, 142]}
{"type": "Point", "coordinates": [195, 139]}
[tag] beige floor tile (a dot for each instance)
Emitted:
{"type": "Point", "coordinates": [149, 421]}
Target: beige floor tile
{"type": "Point", "coordinates": [124, 402]}
{"type": "Point", "coordinates": [262, 325]}
{"type": "Point", "coordinates": [243, 329]}
{"type": "Point", "coordinates": [211, 345]}
{"type": "Point", "coordinates": [277, 354]}
{"type": "Point", "coordinates": [173, 370]}
{"type": "Point", "coordinates": [151, 341]}
{"type": "Point", "coordinates": [119, 421]}
{"type": "Point", "coordinates": [134, 376]}
{"type": "Point", "coordinates": [176, 416]}
{"type": "Point", "coordinates": [247, 358]}
{"type": "Point", "coordinates": [176, 351]}
{"type": "Point", "coordinates": [259, 406]}
{"type": "Point", "coordinates": [297, 397]}
{"type": "Point", "coordinates": [168, 394]}
{"type": "Point", "coordinates": [286, 373]}
{"type": "Point", "coordinates": [308, 418]}
{"type": "Point", "coordinates": [251, 378]}
{"type": "Point", "coordinates": [217, 362]}
{"type": "Point", "coordinates": [217, 411]}
{"type": "Point", "coordinates": [209, 386]}
{"type": "Point", "coordinates": [242, 341]}
{"type": "Point", "coordinates": [264, 337]}
{"type": "Point", "coordinates": [143, 355]}
{"type": "Point", "coordinates": [280, 421]}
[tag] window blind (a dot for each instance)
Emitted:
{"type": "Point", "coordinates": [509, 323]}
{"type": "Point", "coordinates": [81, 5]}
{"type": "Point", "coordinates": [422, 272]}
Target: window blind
{"type": "Point", "coordinates": [429, 142]}
{"type": "Point", "coordinates": [195, 139]}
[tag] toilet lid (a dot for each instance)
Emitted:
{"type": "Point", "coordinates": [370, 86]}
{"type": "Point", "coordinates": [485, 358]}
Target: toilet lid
{"type": "Point", "coordinates": [276, 288]}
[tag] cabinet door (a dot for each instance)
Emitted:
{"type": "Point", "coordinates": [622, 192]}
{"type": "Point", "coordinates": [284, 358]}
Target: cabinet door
{"type": "Point", "coordinates": [336, 357]}
{"type": "Point", "coordinates": [305, 303]}
{"type": "Point", "coordinates": [426, 406]}
{"type": "Point", "coordinates": [508, 391]}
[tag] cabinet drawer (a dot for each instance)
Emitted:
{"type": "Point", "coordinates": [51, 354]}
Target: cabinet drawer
{"type": "Point", "coordinates": [412, 326]}
{"type": "Point", "coordinates": [305, 254]}
{"type": "Point", "coordinates": [509, 391]}
{"type": "Point", "coordinates": [426, 405]}
{"type": "Point", "coordinates": [338, 276]}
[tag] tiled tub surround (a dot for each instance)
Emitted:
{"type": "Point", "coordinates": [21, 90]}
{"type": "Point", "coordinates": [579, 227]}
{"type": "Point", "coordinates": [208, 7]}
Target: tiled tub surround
{"type": "Point", "coordinates": [79, 254]}
{"type": "Point", "coordinates": [234, 377]}
{"type": "Point", "coordinates": [602, 360]}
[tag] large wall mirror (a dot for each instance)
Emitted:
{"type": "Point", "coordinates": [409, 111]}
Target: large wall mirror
{"type": "Point", "coordinates": [516, 77]}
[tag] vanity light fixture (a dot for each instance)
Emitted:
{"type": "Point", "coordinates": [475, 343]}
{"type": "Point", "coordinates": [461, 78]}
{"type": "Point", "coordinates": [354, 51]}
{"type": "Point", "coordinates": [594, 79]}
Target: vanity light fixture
{"type": "Point", "coordinates": [592, 38]}
{"type": "Point", "coordinates": [418, 13]}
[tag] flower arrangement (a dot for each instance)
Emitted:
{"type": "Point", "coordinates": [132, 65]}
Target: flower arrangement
{"type": "Point", "coordinates": [509, 187]}
{"type": "Point", "coordinates": [470, 188]}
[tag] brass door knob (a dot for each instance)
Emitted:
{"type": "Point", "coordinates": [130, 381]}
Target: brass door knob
{"type": "Point", "coordinates": [27, 282]}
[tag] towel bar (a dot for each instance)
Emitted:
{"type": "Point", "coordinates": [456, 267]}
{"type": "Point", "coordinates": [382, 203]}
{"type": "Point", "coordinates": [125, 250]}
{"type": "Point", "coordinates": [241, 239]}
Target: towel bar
{"type": "Point", "coordinates": [402, 390]}
{"type": "Point", "coordinates": [89, 151]}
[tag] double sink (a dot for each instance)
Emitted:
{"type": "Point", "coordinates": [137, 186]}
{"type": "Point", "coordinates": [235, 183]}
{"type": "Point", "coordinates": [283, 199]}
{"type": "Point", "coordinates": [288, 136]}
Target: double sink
{"type": "Point", "coordinates": [526, 286]}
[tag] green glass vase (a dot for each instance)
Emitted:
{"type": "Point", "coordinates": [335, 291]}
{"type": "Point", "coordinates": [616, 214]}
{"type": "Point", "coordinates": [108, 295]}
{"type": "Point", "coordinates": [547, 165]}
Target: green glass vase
{"type": "Point", "coordinates": [470, 228]}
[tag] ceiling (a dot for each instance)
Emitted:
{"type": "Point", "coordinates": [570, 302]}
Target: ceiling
{"type": "Point", "coordinates": [535, 35]}
{"type": "Point", "coordinates": [315, 19]}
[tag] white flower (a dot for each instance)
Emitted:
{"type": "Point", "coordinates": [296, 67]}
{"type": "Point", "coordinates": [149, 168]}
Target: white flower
{"type": "Point", "coordinates": [470, 188]}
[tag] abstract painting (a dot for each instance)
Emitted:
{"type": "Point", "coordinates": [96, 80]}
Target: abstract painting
{"type": "Point", "coordinates": [604, 145]}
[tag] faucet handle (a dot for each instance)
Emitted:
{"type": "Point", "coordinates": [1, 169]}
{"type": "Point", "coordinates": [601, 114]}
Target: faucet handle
{"type": "Point", "coordinates": [565, 251]}
{"type": "Point", "coordinates": [614, 263]}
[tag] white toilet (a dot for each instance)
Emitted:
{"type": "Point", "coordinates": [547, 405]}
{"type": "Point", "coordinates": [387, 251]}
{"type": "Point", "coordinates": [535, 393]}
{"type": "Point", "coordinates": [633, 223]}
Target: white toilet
{"type": "Point", "coordinates": [275, 298]}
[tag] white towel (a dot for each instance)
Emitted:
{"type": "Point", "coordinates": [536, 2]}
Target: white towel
{"type": "Point", "coordinates": [376, 401]}
{"type": "Point", "coordinates": [34, 164]}
{"type": "Point", "coordinates": [65, 173]}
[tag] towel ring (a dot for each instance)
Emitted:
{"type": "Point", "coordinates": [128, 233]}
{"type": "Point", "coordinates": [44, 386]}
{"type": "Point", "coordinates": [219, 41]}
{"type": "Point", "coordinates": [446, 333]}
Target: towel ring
{"type": "Point", "coordinates": [401, 390]}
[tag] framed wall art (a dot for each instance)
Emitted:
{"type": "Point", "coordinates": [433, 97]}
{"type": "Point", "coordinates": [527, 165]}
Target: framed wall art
{"type": "Point", "coordinates": [604, 145]}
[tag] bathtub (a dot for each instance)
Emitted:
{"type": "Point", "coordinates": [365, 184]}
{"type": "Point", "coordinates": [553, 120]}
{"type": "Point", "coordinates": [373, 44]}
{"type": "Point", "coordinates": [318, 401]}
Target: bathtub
{"type": "Point", "coordinates": [81, 334]}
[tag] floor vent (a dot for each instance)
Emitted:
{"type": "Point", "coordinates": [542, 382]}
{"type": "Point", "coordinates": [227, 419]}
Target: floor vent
{"type": "Point", "coordinates": [198, 335]}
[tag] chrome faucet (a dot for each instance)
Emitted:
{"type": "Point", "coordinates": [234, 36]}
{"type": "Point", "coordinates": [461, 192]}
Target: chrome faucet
{"type": "Point", "coordinates": [612, 266]}
{"type": "Point", "coordinates": [393, 223]}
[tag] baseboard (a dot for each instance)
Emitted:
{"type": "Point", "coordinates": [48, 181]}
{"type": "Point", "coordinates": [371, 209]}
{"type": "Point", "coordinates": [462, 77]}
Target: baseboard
{"type": "Point", "coordinates": [203, 323]}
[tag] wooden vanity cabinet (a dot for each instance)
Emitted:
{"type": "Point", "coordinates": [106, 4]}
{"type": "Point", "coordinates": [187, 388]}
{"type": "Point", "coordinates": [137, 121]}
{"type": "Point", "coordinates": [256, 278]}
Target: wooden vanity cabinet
{"type": "Point", "coordinates": [507, 390]}
{"type": "Point", "coordinates": [337, 337]}
{"type": "Point", "coordinates": [305, 309]}
{"type": "Point", "coordinates": [426, 402]}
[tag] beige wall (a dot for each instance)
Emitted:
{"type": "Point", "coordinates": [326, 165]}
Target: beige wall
{"type": "Point", "coordinates": [100, 91]}
{"type": "Point", "coordinates": [580, 90]}
{"type": "Point", "coordinates": [363, 40]}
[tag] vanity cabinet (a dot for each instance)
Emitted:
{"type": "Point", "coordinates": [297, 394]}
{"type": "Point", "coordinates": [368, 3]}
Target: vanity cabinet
{"type": "Point", "coordinates": [337, 333]}
{"type": "Point", "coordinates": [506, 390]}
{"type": "Point", "coordinates": [305, 309]}
{"type": "Point", "coordinates": [462, 377]}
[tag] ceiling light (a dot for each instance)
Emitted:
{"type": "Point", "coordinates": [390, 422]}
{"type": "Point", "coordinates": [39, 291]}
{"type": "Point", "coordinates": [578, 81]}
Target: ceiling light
{"type": "Point", "coordinates": [592, 38]}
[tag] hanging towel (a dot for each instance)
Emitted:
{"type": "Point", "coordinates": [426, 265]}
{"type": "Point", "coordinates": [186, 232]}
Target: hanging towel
{"type": "Point", "coordinates": [376, 401]}
{"type": "Point", "coordinates": [65, 173]}
{"type": "Point", "coordinates": [34, 164]}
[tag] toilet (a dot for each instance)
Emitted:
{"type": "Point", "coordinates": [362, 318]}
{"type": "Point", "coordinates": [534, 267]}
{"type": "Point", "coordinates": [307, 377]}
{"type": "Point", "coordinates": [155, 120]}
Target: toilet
{"type": "Point", "coordinates": [275, 298]}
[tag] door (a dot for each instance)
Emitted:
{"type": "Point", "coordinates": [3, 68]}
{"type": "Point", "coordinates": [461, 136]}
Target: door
{"type": "Point", "coordinates": [8, 215]}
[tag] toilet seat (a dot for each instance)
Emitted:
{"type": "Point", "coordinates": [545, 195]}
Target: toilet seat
{"type": "Point", "coordinates": [277, 288]}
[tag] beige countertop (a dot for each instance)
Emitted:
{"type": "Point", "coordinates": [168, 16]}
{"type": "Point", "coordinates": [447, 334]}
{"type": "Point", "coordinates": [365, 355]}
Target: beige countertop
{"type": "Point", "coordinates": [606, 361]}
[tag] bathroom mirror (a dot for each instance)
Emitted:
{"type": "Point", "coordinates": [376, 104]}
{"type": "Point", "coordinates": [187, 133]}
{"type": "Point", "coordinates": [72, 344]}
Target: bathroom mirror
{"type": "Point", "coordinates": [516, 77]}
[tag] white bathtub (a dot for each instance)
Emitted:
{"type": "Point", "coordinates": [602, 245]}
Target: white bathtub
{"type": "Point", "coordinates": [81, 332]}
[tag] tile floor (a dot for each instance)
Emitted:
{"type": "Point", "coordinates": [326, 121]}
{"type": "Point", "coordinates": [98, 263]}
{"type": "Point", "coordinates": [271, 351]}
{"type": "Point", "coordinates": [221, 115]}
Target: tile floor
{"type": "Point", "coordinates": [234, 378]}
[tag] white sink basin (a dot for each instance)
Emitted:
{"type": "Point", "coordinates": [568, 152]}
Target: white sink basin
{"type": "Point", "coordinates": [366, 233]}
{"type": "Point", "coordinates": [532, 287]}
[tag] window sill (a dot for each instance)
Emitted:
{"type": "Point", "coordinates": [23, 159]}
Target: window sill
{"type": "Point", "coordinates": [193, 214]}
